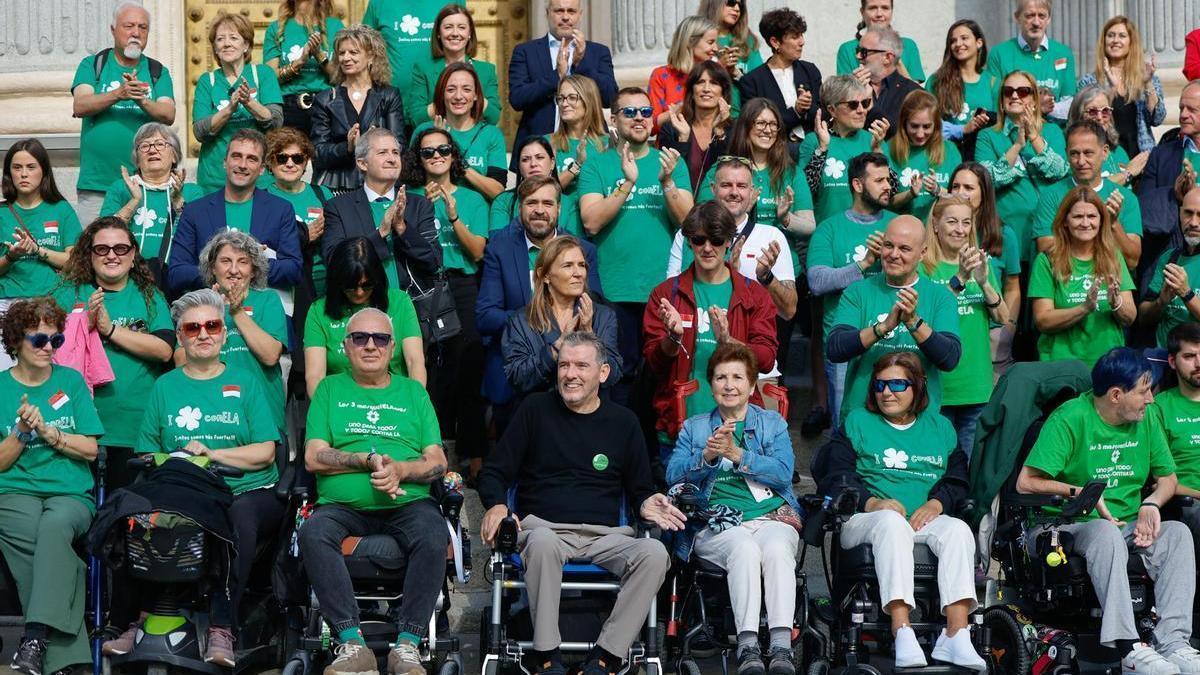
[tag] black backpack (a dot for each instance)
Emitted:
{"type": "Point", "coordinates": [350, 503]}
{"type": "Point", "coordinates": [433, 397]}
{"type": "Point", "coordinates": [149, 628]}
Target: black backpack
{"type": "Point", "coordinates": [156, 68]}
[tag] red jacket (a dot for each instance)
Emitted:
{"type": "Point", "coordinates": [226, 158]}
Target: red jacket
{"type": "Point", "coordinates": [1191, 55]}
{"type": "Point", "coordinates": [751, 320]}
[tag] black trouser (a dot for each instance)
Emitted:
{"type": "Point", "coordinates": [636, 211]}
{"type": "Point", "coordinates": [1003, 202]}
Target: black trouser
{"type": "Point", "coordinates": [421, 533]}
{"type": "Point", "coordinates": [256, 516]}
{"type": "Point", "coordinates": [455, 371]}
{"type": "Point", "coordinates": [297, 112]}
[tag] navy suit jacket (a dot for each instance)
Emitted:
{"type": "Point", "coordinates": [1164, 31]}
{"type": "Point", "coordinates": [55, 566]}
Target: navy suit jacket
{"type": "Point", "coordinates": [1160, 206]}
{"type": "Point", "coordinates": [503, 290]}
{"type": "Point", "coordinates": [533, 82]}
{"type": "Point", "coordinates": [760, 82]}
{"type": "Point", "coordinates": [272, 222]}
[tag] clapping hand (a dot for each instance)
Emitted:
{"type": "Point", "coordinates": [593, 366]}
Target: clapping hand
{"type": "Point", "coordinates": [783, 203]}
{"type": "Point", "coordinates": [629, 167]}
{"type": "Point", "coordinates": [670, 317]}
{"type": "Point", "coordinates": [1092, 300]}
{"type": "Point", "coordinates": [718, 318]}
{"type": "Point", "coordinates": [683, 130]}
{"type": "Point", "coordinates": [98, 313]}
{"type": "Point", "coordinates": [352, 137]}
{"type": "Point", "coordinates": [878, 129]}
{"type": "Point", "coordinates": [766, 259]}
{"type": "Point", "coordinates": [29, 417]}
{"type": "Point", "coordinates": [1112, 292]}
{"type": "Point", "coordinates": [233, 295]}
{"type": "Point", "coordinates": [821, 129]}
{"type": "Point", "coordinates": [906, 305]}
{"type": "Point", "coordinates": [392, 221]}
{"type": "Point", "coordinates": [23, 243]}
{"type": "Point", "coordinates": [874, 245]}
{"type": "Point", "coordinates": [1114, 202]}
{"type": "Point", "coordinates": [586, 311]}
{"type": "Point", "coordinates": [1175, 281]}
{"type": "Point", "coordinates": [667, 159]}
{"type": "Point", "coordinates": [977, 122]}
{"type": "Point", "coordinates": [131, 89]}
{"type": "Point", "coordinates": [720, 443]}
{"type": "Point", "coordinates": [385, 478]}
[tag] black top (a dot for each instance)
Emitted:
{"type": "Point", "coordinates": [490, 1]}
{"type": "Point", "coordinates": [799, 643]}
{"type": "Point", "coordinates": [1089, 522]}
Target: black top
{"type": "Point", "coordinates": [699, 160]}
{"type": "Point", "coordinates": [1125, 113]}
{"type": "Point", "coordinates": [569, 468]}
{"type": "Point", "coordinates": [892, 92]}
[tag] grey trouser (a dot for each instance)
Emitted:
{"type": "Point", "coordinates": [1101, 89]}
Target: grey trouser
{"type": "Point", "coordinates": [640, 563]}
{"type": "Point", "coordinates": [87, 205]}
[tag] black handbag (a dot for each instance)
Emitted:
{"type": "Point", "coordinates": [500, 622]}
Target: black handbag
{"type": "Point", "coordinates": [435, 309]}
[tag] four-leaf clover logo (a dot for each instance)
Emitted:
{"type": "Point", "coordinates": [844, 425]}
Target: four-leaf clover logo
{"type": "Point", "coordinates": [188, 418]}
{"type": "Point", "coordinates": [111, 86]}
{"type": "Point", "coordinates": [895, 459]}
{"type": "Point", "coordinates": [703, 325]}
{"type": "Point", "coordinates": [145, 217]}
{"type": "Point", "coordinates": [835, 168]}
{"type": "Point", "coordinates": [373, 416]}
{"type": "Point", "coordinates": [907, 176]}
{"type": "Point", "coordinates": [891, 333]}
{"type": "Point", "coordinates": [221, 105]}
{"type": "Point", "coordinates": [294, 53]}
{"type": "Point", "coordinates": [860, 253]}
{"type": "Point", "coordinates": [410, 24]}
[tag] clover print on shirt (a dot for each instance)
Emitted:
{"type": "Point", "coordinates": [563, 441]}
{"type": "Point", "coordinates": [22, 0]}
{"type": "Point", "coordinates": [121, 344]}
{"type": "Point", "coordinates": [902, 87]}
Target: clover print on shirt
{"type": "Point", "coordinates": [188, 418]}
{"type": "Point", "coordinates": [373, 416]}
{"type": "Point", "coordinates": [294, 53]}
{"type": "Point", "coordinates": [860, 253]}
{"type": "Point", "coordinates": [410, 24]}
{"type": "Point", "coordinates": [111, 86]}
{"type": "Point", "coordinates": [895, 459]}
{"type": "Point", "coordinates": [888, 335]}
{"type": "Point", "coordinates": [835, 168]}
{"type": "Point", "coordinates": [145, 218]}
{"type": "Point", "coordinates": [907, 176]}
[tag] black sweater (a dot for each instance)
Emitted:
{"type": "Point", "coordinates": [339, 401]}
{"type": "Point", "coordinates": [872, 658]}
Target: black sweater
{"type": "Point", "coordinates": [569, 468]}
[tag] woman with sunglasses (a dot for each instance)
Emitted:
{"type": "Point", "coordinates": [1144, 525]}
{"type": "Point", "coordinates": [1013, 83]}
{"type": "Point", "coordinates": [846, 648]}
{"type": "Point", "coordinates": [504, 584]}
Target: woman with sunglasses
{"type": "Point", "coordinates": [737, 45]}
{"type": "Point", "coordinates": [879, 13]}
{"type": "Point", "coordinates": [298, 46]}
{"type": "Point", "coordinates": [580, 130]}
{"type": "Point", "coordinates": [453, 41]}
{"type": "Point", "coordinates": [1094, 103]}
{"type": "Point", "coordinates": [535, 157]}
{"type": "Point", "coordinates": [46, 486]}
{"type": "Point", "coordinates": [211, 408]}
{"type": "Point", "coordinates": [357, 280]}
{"type": "Point", "coordinates": [1137, 102]}
{"type": "Point", "coordinates": [458, 105]}
{"type": "Point", "coordinates": [1080, 288]}
{"type": "Point", "coordinates": [237, 95]}
{"type": "Point", "coordinates": [902, 456]}
{"type": "Point", "coordinates": [965, 95]}
{"type": "Point", "coordinates": [1023, 153]}
{"type": "Point", "coordinates": [953, 256]}
{"type": "Point", "coordinates": [694, 41]}
{"type": "Point", "coordinates": [698, 126]}
{"type": "Point", "coordinates": [920, 156]}
{"type": "Point", "coordinates": [825, 154]}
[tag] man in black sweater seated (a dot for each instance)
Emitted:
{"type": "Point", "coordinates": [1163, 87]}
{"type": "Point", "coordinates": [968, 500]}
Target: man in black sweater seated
{"type": "Point", "coordinates": [573, 459]}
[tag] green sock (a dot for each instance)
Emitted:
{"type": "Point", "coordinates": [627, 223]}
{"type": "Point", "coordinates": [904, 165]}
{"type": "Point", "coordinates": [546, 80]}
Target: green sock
{"type": "Point", "coordinates": [351, 634]}
{"type": "Point", "coordinates": [409, 638]}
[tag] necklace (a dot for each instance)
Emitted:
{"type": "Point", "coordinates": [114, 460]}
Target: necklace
{"type": "Point", "coordinates": [357, 95]}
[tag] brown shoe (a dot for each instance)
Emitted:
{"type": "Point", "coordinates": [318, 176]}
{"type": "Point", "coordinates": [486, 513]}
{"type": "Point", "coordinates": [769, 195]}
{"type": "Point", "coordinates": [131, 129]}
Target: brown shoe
{"type": "Point", "coordinates": [404, 659]}
{"type": "Point", "coordinates": [352, 659]}
{"type": "Point", "coordinates": [220, 647]}
{"type": "Point", "coordinates": [122, 644]}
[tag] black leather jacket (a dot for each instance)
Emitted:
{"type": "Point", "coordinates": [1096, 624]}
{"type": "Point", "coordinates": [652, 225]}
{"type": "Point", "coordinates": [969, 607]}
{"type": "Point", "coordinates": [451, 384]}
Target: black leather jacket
{"type": "Point", "coordinates": [332, 118]}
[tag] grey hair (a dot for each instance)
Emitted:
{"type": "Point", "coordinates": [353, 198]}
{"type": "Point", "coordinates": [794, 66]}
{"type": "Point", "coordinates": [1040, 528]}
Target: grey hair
{"type": "Point", "coordinates": [1080, 103]}
{"type": "Point", "coordinates": [205, 297]}
{"type": "Point", "coordinates": [586, 337]}
{"type": "Point", "coordinates": [1022, 5]}
{"type": "Point", "coordinates": [367, 311]}
{"type": "Point", "coordinates": [888, 39]}
{"type": "Point", "coordinates": [127, 4]}
{"type": "Point", "coordinates": [157, 129]}
{"type": "Point", "coordinates": [838, 88]}
{"type": "Point", "coordinates": [362, 148]}
{"type": "Point", "coordinates": [241, 242]}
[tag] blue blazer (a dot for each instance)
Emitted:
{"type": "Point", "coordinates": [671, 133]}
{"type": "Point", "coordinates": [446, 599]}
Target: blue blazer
{"type": "Point", "coordinates": [1160, 207]}
{"type": "Point", "coordinates": [272, 222]}
{"type": "Point", "coordinates": [533, 82]}
{"type": "Point", "coordinates": [503, 290]}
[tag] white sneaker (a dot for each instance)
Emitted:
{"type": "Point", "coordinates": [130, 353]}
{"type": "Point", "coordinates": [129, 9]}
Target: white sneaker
{"type": "Point", "coordinates": [1143, 660]}
{"type": "Point", "coordinates": [1186, 659]}
{"type": "Point", "coordinates": [908, 650]}
{"type": "Point", "coordinates": [958, 650]}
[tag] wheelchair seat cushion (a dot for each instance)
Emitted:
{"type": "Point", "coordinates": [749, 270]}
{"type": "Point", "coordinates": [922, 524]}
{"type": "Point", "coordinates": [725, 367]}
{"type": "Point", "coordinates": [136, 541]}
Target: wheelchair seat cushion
{"type": "Point", "coordinates": [859, 562]}
{"type": "Point", "coordinates": [374, 557]}
{"type": "Point", "coordinates": [707, 567]}
{"type": "Point", "coordinates": [578, 567]}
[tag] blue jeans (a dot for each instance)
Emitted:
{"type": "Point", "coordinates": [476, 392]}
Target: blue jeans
{"type": "Point", "coordinates": [965, 419]}
{"type": "Point", "coordinates": [835, 375]}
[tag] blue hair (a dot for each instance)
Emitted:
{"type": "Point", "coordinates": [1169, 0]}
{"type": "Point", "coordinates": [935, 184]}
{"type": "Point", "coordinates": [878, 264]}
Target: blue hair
{"type": "Point", "coordinates": [1120, 367]}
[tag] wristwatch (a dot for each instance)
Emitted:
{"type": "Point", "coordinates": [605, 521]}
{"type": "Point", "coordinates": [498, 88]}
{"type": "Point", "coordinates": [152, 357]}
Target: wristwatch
{"type": "Point", "coordinates": [25, 437]}
{"type": "Point", "coordinates": [956, 285]}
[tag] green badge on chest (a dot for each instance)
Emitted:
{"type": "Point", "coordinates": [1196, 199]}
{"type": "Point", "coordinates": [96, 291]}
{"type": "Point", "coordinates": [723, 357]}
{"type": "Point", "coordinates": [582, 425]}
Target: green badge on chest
{"type": "Point", "coordinates": [600, 462]}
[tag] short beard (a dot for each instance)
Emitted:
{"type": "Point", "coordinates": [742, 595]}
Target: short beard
{"type": "Point", "coordinates": [873, 203]}
{"type": "Point", "coordinates": [1192, 242]}
{"type": "Point", "coordinates": [132, 52]}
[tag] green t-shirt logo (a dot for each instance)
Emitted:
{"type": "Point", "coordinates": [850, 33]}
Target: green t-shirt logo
{"type": "Point", "coordinates": [895, 459]}
{"type": "Point", "coordinates": [600, 461]}
{"type": "Point", "coordinates": [410, 24]}
{"type": "Point", "coordinates": [188, 418]}
{"type": "Point", "coordinates": [891, 333]}
{"type": "Point", "coordinates": [373, 416]}
{"type": "Point", "coordinates": [835, 168]}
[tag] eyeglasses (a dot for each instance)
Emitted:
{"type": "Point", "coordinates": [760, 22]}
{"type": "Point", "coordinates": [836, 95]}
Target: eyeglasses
{"type": "Point", "coordinates": [147, 146]}
{"type": "Point", "coordinates": [573, 99]}
{"type": "Point", "coordinates": [766, 125]}
{"type": "Point", "coordinates": [444, 150]}
{"type": "Point", "coordinates": [1021, 92]}
{"type": "Point", "coordinates": [191, 329]}
{"type": "Point", "coordinates": [103, 250]}
{"type": "Point", "coordinates": [630, 112]}
{"type": "Point", "coordinates": [864, 52]}
{"type": "Point", "coordinates": [699, 240]}
{"type": "Point", "coordinates": [359, 339]}
{"type": "Point", "coordinates": [365, 287]}
{"type": "Point", "coordinates": [1106, 111]}
{"type": "Point", "coordinates": [735, 158]}
{"type": "Point", "coordinates": [854, 105]}
{"type": "Point", "coordinates": [299, 158]}
{"type": "Point", "coordinates": [897, 385]}
{"type": "Point", "coordinates": [40, 340]}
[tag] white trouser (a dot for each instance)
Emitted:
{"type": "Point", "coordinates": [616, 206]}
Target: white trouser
{"type": "Point", "coordinates": [892, 539]}
{"type": "Point", "coordinates": [759, 549]}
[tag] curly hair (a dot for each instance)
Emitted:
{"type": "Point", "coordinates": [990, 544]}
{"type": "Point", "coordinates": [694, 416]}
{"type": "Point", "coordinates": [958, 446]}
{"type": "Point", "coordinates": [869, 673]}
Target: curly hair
{"type": "Point", "coordinates": [78, 270]}
{"type": "Point", "coordinates": [242, 243]}
{"type": "Point", "coordinates": [279, 139]}
{"type": "Point", "coordinates": [371, 42]}
{"type": "Point", "coordinates": [414, 170]}
{"type": "Point", "coordinates": [26, 314]}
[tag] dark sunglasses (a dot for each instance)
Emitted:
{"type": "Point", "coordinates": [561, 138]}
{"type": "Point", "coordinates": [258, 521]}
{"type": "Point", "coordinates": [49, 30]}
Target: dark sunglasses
{"type": "Point", "coordinates": [1021, 92]}
{"type": "Point", "coordinates": [700, 240]}
{"type": "Point", "coordinates": [359, 339]}
{"type": "Point", "coordinates": [864, 52]}
{"type": "Point", "coordinates": [191, 329]}
{"type": "Point", "coordinates": [365, 287]}
{"type": "Point", "coordinates": [444, 150]}
{"type": "Point", "coordinates": [733, 3]}
{"type": "Point", "coordinates": [631, 112]}
{"type": "Point", "coordinates": [735, 158]}
{"type": "Point", "coordinates": [39, 340]}
{"type": "Point", "coordinates": [897, 385]}
{"type": "Point", "coordinates": [103, 250]}
{"type": "Point", "coordinates": [865, 104]}
{"type": "Point", "coordinates": [299, 159]}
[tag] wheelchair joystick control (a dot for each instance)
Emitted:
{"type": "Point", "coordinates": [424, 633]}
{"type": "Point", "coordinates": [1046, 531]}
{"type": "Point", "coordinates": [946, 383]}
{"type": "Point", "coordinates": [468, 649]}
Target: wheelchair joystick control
{"type": "Point", "coordinates": [506, 535]}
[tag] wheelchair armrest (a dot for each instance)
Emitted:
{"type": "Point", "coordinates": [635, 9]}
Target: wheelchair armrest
{"type": "Point", "coordinates": [1182, 501]}
{"type": "Point", "coordinates": [283, 488]}
{"type": "Point", "coordinates": [451, 505]}
{"type": "Point", "coordinates": [1035, 501]}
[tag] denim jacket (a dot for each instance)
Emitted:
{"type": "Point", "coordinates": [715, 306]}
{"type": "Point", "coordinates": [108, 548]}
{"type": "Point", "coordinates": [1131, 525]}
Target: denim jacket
{"type": "Point", "coordinates": [766, 459]}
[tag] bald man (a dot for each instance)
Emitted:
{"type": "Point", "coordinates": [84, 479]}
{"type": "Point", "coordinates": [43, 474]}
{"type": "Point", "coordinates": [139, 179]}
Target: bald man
{"type": "Point", "coordinates": [896, 310]}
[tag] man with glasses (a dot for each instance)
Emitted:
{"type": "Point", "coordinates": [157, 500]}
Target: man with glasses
{"type": "Point", "coordinates": [878, 53]}
{"type": "Point", "coordinates": [537, 66]}
{"type": "Point", "coordinates": [399, 226]}
{"type": "Point", "coordinates": [630, 199]}
{"type": "Point", "coordinates": [374, 445]}
{"type": "Point", "coordinates": [1050, 62]}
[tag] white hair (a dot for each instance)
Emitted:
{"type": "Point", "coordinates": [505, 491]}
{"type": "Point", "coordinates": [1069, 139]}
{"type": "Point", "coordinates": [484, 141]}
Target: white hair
{"type": "Point", "coordinates": [124, 5]}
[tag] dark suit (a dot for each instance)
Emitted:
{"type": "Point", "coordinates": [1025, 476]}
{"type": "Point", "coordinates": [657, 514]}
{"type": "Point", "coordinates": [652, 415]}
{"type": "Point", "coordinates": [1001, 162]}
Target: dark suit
{"type": "Point", "coordinates": [761, 83]}
{"type": "Point", "coordinates": [333, 165]}
{"type": "Point", "coordinates": [892, 91]}
{"type": "Point", "coordinates": [504, 289]}
{"type": "Point", "coordinates": [348, 216]}
{"type": "Point", "coordinates": [272, 222]}
{"type": "Point", "coordinates": [1160, 206]}
{"type": "Point", "coordinates": [533, 83]}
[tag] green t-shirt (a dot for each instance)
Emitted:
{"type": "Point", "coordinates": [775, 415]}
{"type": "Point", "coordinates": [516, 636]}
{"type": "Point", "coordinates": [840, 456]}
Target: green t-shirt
{"type": "Point", "coordinates": [153, 213]}
{"type": "Point", "coordinates": [967, 384]}
{"type": "Point", "coordinates": [40, 470]}
{"type": "Point", "coordinates": [321, 331]}
{"type": "Point", "coordinates": [425, 75]}
{"type": "Point", "coordinates": [982, 93]}
{"type": "Point", "coordinates": [1117, 158]}
{"type": "Point", "coordinates": [731, 489]}
{"type": "Point", "coordinates": [910, 56]}
{"type": "Point", "coordinates": [834, 195]}
{"type": "Point", "coordinates": [265, 307]}
{"type": "Point", "coordinates": [632, 249]}
{"type": "Point", "coordinates": [1051, 197]}
{"type": "Point", "coordinates": [918, 163]}
{"type": "Point", "coordinates": [1179, 417]}
{"type": "Point", "coordinates": [1008, 264]}
{"type": "Point", "coordinates": [482, 147]}
{"type": "Point", "coordinates": [55, 227]}
{"type": "Point", "coordinates": [753, 58]}
{"type": "Point", "coordinates": [707, 295]}
{"type": "Point", "coordinates": [227, 411]}
{"type": "Point", "coordinates": [121, 402]}
{"type": "Point", "coordinates": [1175, 313]}
{"type": "Point", "coordinates": [287, 48]}
{"type": "Point", "coordinates": [1076, 446]}
{"type": "Point", "coordinates": [407, 28]}
{"type": "Point", "coordinates": [1017, 201]}
{"type": "Point", "coordinates": [868, 301]}
{"type": "Point", "coordinates": [503, 210]}
{"type": "Point", "coordinates": [837, 242]}
{"type": "Point", "coordinates": [901, 463]}
{"type": "Point", "coordinates": [106, 137]}
{"type": "Point", "coordinates": [239, 215]}
{"type": "Point", "coordinates": [211, 96]}
{"type": "Point", "coordinates": [1054, 66]}
{"type": "Point", "coordinates": [1089, 339]}
{"type": "Point", "coordinates": [308, 207]}
{"type": "Point", "coordinates": [397, 420]}
{"type": "Point", "coordinates": [764, 212]}
{"type": "Point", "coordinates": [473, 212]}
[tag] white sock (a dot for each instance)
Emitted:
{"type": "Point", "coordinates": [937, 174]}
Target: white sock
{"type": "Point", "coordinates": [958, 650]}
{"type": "Point", "coordinates": [908, 650]}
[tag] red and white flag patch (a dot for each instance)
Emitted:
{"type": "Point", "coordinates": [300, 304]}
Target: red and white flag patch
{"type": "Point", "coordinates": [59, 399]}
{"type": "Point", "coordinates": [231, 391]}
{"type": "Point", "coordinates": [248, 310]}
{"type": "Point", "coordinates": [51, 227]}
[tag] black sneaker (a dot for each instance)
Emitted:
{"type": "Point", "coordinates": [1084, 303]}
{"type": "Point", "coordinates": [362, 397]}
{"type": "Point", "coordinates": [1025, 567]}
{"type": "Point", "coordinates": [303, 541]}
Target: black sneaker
{"type": "Point", "coordinates": [816, 421]}
{"type": "Point", "coordinates": [28, 658]}
{"type": "Point", "coordinates": [599, 663]}
{"type": "Point", "coordinates": [749, 661]}
{"type": "Point", "coordinates": [550, 663]}
{"type": "Point", "coordinates": [781, 661]}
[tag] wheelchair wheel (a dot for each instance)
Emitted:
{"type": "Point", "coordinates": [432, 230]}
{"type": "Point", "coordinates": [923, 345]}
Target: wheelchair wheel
{"type": "Point", "coordinates": [687, 667]}
{"type": "Point", "coordinates": [1009, 652]}
{"type": "Point", "coordinates": [293, 667]}
{"type": "Point", "coordinates": [449, 667]}
{"type": "Point", "coordinates": [819, 667]}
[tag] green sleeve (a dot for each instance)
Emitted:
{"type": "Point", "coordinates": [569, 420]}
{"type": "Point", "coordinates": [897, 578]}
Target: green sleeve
{"type": "Point", "coordinates": [680, 175]}
{"type": "Point", "coordinates": [271, 49]}
{"type": "Point", "coordinates": [149, 436]}
{"type": "Point", "coordinates": [1120, 156]}
{"type": "Point", "coordinates": [590, 181]}
{"type": "Point", "coordinates": [820, 247]}
{"type": "Point", "coordinates": [1126, 280]}
{"type": "Point", "coordinates": [931, 83]}
{"type": "Point", "coordinates": [85, 73]}
{"type": "Point", "coordinates": [317, 421]}
{"type": "Point", "coordinates": [802, 197]}
{"type": "Point", "coordinates": [1053, 447]}
{"type": "Point", "coordinates": [912, 60]}
{"type": "Point", "coordinates": [431, 433]}
{"type": "Point", "coordinates": [1047, 207]}
{"type": "Point", "coordinates": [849, 310]}
{"type": "Point", "coordinates": [404, 315]}
{"type": "Point", "coordinates": [116, 197]}
{"type": "Point", "coordinates": [1041, 278]}
{"type": "Point", "coordinates": [164, 88]}
{"type": "Point", "coordinates": [808, 147]}
{"type": "Point", "coordinates": [273, 320]}
{"type": "Point", "coordinates": [500, 213]}
{"type": "Point", "coordinates": [369, 17]}
{"type": "Point", "coordinates": [1156, 280]}
{"type": "Point", "coordinates": [706, 190]}
{"type": "Point", "coordinates": [160, 314]}
{"type": "Point", "coordinates": [261, 423]}
{"type": "Point", "coordinates": [1068, 86]}
{"type": "Point", "coordinates": [985, 147]}
{"type": "Point", "coordinates": [846, 61]}
{"type": "Point", "coordinates": [473, 210]}
{"type": "Point", "coordinates": [491, 92]}
{"type": "Point", "coordinates": [1011, 253]}
{"type": "Point", "coordinates": [419, 95]}
{"type": "Point", "coordinates": [314, 327]}
{"type": "Point", "coordinates": [1131, 212]}
{"type": "Point", "coordinates": [944, 316]}
{"type": "Point", "coordinates": [87, 420]}
{"type": "Point", "coordinates": [192, 192]}
{"type": "Point", "coordinates": [268, 86]}
{"type": "Point", "coordinates": [495, 147]}
{"type": "Point", "coordinates": [1162, 463]}
{"type": "Point", "coordinates": [68, 224]}
{"type": "Point", "coordinates": [754, 59]}
{"type": "Point", "coordinates": [202, 102]}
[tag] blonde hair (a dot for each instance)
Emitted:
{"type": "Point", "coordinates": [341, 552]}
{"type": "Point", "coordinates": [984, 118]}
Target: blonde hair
{"type": "Point", "coordinates": [541, 307]}
{"type": "Point", "coordinates": [371, 42]}
{"type": "Point", "coordinates": [594, 131]}
{"type": "Point", "coordinates": [240, 24]}
{"type": "Point", "coordinates": [1104, 247]}
{"type": "Point", "coordinates": [1001, 115]}
{"type": "Point", "coordinates": [933, 246]}
{"type": "Point", "coordinates": [1133, 70]}
{"type": "Point", "coordinates": [687, 34]}
{"type": "Point", "coordinates": [935, 148]}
